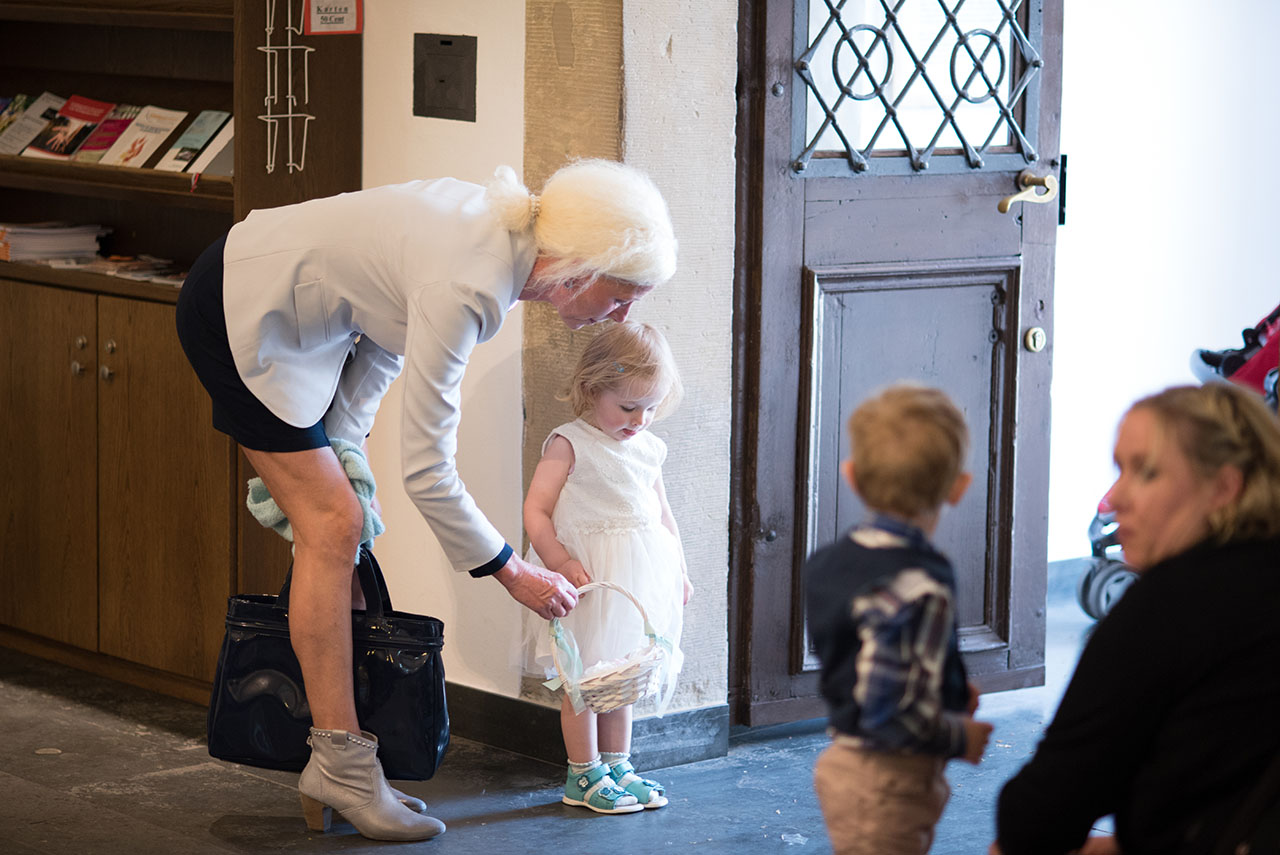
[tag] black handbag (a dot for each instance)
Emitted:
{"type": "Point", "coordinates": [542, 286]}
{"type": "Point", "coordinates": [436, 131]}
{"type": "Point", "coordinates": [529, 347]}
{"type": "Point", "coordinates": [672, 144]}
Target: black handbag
{"type": "Point", "coordinates": [258, 714]}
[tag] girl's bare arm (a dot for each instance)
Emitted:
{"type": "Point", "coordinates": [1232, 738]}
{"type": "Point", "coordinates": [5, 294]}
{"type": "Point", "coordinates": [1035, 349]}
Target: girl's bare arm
{"type": "Point", "coordinates": [544, 491]}
{"type": "Point", "coordinates": [669, 521]}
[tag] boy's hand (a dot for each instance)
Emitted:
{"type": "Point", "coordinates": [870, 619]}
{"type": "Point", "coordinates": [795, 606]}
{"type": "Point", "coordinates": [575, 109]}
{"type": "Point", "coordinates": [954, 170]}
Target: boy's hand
{"type": "Point", "coordinates": [574, 572]}
{"type": "Point", "coordinates": [976, 734]}
{"type": "Point", "coordinates": [973, 699]}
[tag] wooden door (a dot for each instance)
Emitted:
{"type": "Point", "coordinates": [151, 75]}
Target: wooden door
{"type": "Point", "coordinates": [48, 426]}
{"type": "Point", "coordinates": [165, 515]}
{"type": "Point", "coordinates": [872, 250]}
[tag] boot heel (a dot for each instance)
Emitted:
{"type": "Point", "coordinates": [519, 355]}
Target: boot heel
{"type": "Point", "coordinates": [344, 770]}
{"type": "Point", "coordinates": [317, 814]}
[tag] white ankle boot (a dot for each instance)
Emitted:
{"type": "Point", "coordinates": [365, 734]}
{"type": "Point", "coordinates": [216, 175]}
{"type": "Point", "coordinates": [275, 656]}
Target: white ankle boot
{"type": "Point", "coordinates": [344, 775]}
{"type": "Point", "coordinates": [413, 803]}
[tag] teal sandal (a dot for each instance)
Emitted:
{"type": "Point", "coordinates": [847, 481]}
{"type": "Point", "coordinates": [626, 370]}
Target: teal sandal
{"type": "Point", "coordinates": [650, 794]}
{"type": "Point", "coordinates": [594, 789]}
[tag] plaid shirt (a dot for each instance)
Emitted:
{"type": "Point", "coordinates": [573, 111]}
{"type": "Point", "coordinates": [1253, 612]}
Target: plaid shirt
{"type": "Point", "coordinates": [904, 628]}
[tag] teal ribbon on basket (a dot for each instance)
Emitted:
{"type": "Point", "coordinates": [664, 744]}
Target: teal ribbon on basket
{"type": "Point", "coordinates": [569, 665]}
{"type": "Point", "coordinates": [643, 672]}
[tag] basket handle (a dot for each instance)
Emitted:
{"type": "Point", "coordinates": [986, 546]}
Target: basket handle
{"type": "Point", "coordinates": [568, 677]}
{"type": "Point", "coordinates": [611, 586]}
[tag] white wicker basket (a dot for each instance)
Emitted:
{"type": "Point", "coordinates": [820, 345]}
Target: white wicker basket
{"type": "Point", "coordinates": [635, 677]}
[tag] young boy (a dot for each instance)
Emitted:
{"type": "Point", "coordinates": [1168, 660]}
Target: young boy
{"type": "Point", "coordinates": [881, 613]}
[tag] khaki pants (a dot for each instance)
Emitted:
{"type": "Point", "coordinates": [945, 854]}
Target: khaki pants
{"type": "Point", "coordinates": [876, 803]}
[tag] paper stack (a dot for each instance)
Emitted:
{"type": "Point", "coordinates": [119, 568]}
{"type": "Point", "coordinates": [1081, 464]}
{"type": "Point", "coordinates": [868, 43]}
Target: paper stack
{"type": "Point", "coordinates": [42, 241]}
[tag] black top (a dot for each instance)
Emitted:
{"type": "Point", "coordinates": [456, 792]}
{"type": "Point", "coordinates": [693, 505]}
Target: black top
{"type": "Point", "coordinates": [1172, 714]}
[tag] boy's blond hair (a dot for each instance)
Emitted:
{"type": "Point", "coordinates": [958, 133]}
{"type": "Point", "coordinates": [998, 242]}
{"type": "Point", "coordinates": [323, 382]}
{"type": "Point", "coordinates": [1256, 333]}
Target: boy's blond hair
{"type": "Point", "coordinates": [632, 356]}
{"type": "Point", "coordinates": [908, 445]}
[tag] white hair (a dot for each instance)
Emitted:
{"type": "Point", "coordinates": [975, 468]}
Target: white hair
{"type": "Point", "coordinates": [594, 218]}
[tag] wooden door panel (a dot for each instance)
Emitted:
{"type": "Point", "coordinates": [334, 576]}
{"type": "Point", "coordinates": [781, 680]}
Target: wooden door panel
{"type": "Point", "coordinates": [165, 513]}
{"type": "Point", "coordinates": [48, 525]}
{"type": "Point", "coordinates": [950, 216]}
{"type": "Point", "coordinates": [942, 325]}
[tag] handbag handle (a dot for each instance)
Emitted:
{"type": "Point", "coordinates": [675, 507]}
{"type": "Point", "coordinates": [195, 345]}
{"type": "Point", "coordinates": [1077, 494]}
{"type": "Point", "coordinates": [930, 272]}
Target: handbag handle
{"type": "Point", "coordinates": [374, 585]}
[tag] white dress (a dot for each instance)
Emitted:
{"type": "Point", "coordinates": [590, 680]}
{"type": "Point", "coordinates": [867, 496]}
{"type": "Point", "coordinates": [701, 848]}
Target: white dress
{"type": "Point", "coordinates": [608, 516]}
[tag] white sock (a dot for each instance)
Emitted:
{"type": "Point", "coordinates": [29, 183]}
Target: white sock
{"type": "Point", "coordinates": [580, 768]}
{"type": "Point", "coordinates": [612, 758]}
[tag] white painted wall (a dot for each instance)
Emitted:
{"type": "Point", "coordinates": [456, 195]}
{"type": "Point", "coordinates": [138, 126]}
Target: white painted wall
{"type": "Point", "coordinates": [1170, 223]}
{"type": "Point", "coordinates": [480, 619]}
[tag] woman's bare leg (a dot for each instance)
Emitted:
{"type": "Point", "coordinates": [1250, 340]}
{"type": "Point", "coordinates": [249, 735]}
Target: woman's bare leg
{"type": "Point", "coordinates": [316, 495]}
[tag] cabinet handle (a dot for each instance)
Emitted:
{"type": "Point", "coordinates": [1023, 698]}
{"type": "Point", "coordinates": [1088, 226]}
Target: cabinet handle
{"type": "Point", "coordinates": [110, 346]}
{"type": "Point", "coordinates": [81, 342]}
{"type": "Point", "coordinates": [106, 373]}
{"type": "Point", "coordinates": [76, 368]}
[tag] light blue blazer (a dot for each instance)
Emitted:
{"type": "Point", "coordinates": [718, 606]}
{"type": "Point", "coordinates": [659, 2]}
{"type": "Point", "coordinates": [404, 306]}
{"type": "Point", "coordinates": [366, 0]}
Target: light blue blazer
{"type": "Point", "coordinates": [327, 301]}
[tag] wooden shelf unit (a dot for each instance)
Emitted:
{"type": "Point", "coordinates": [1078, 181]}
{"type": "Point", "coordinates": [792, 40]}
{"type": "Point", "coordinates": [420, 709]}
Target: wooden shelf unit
{"type": "Point", "coordinates": [127, 530]}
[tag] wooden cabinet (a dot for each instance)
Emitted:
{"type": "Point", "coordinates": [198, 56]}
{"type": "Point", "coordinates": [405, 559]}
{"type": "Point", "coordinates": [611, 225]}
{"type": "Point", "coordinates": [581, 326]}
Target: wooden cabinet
{"type": "Point", "coordinates": [165, 494]}
{"type": "Point", "coordinates": [122, 522]}
{"type": "Point", "coordinates": [120, 541]}
{"type": "Point", "coordinates": [48, 424]}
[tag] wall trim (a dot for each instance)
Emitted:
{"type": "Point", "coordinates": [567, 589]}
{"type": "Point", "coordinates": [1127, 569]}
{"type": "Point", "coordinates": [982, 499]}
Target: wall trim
{"type": "Point", "coordinates": [533, 730]}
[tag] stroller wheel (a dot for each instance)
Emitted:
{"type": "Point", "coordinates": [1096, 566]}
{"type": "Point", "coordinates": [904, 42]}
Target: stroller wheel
{"type": "Point", "coordinates": [1102, 585]}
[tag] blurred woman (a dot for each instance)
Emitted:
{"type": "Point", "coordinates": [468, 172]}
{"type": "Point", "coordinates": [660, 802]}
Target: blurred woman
{"type": "Point", "coordinates": [1173, 714]}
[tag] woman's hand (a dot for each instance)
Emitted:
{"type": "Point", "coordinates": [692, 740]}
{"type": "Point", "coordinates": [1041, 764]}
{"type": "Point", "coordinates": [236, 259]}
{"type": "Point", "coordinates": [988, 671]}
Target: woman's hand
{"type": "Point", "coordinates": [1098, 845]}
{"type": "Point", "coordinates": [1103, 844]}
{"type": "Point", "coordinates": [545, 592]}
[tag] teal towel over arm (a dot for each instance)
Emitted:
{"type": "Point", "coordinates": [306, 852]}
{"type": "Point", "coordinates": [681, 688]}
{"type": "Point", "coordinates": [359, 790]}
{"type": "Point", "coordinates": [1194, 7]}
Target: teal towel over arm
{"type": "Point", "coordinates": [266, 511]}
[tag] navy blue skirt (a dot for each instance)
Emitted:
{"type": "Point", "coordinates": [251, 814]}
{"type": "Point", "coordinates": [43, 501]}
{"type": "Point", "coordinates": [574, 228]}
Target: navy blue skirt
{"type": "Point", "coordinates": [202, 329]}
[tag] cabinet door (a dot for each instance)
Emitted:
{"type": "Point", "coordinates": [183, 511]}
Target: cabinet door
{"type": "Point", "coordinates": [48, 428]}
{"type": "Point", "coordinates": [165, 511]}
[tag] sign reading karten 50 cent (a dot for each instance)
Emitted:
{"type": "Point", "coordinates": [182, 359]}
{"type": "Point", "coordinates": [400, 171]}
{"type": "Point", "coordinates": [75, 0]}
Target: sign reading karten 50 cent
{"type": "Point", "coordinates": [326, 17]}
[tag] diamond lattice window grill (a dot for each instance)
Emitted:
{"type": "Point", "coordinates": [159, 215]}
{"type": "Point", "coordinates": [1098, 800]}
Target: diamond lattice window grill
{"type": "Point", "coordinates": [861, 70]}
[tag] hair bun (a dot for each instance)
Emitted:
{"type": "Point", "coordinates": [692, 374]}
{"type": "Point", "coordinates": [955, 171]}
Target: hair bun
{"type": "Point", "coordinates": [515, 207]}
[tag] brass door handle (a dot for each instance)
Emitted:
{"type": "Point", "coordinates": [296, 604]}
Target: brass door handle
{"type": "Point", "coordinates": [1029, 183]}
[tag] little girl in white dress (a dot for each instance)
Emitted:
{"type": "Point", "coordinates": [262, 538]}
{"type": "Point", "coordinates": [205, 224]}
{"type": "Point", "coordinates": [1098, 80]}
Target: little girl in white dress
{"type": "Point", "coordinates": [597, 511]}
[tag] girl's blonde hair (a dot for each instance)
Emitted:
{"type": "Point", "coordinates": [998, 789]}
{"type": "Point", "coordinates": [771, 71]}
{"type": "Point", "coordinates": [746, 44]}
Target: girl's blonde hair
{"type": "Point", "coordinates": [594, 218]}
{"type": "Point", "coordinates": [632, 356]}
{"type": "Point", "coordinates": [1221, 424]}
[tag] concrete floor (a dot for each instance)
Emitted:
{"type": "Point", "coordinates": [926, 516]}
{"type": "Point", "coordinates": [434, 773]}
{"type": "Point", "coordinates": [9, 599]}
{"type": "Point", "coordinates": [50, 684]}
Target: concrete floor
{"type": "Point", "coordinates": [92, 767]}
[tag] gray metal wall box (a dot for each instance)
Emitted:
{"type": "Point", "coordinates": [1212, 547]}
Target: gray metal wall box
{"type": "Point", "coordinates": [444, 76]}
